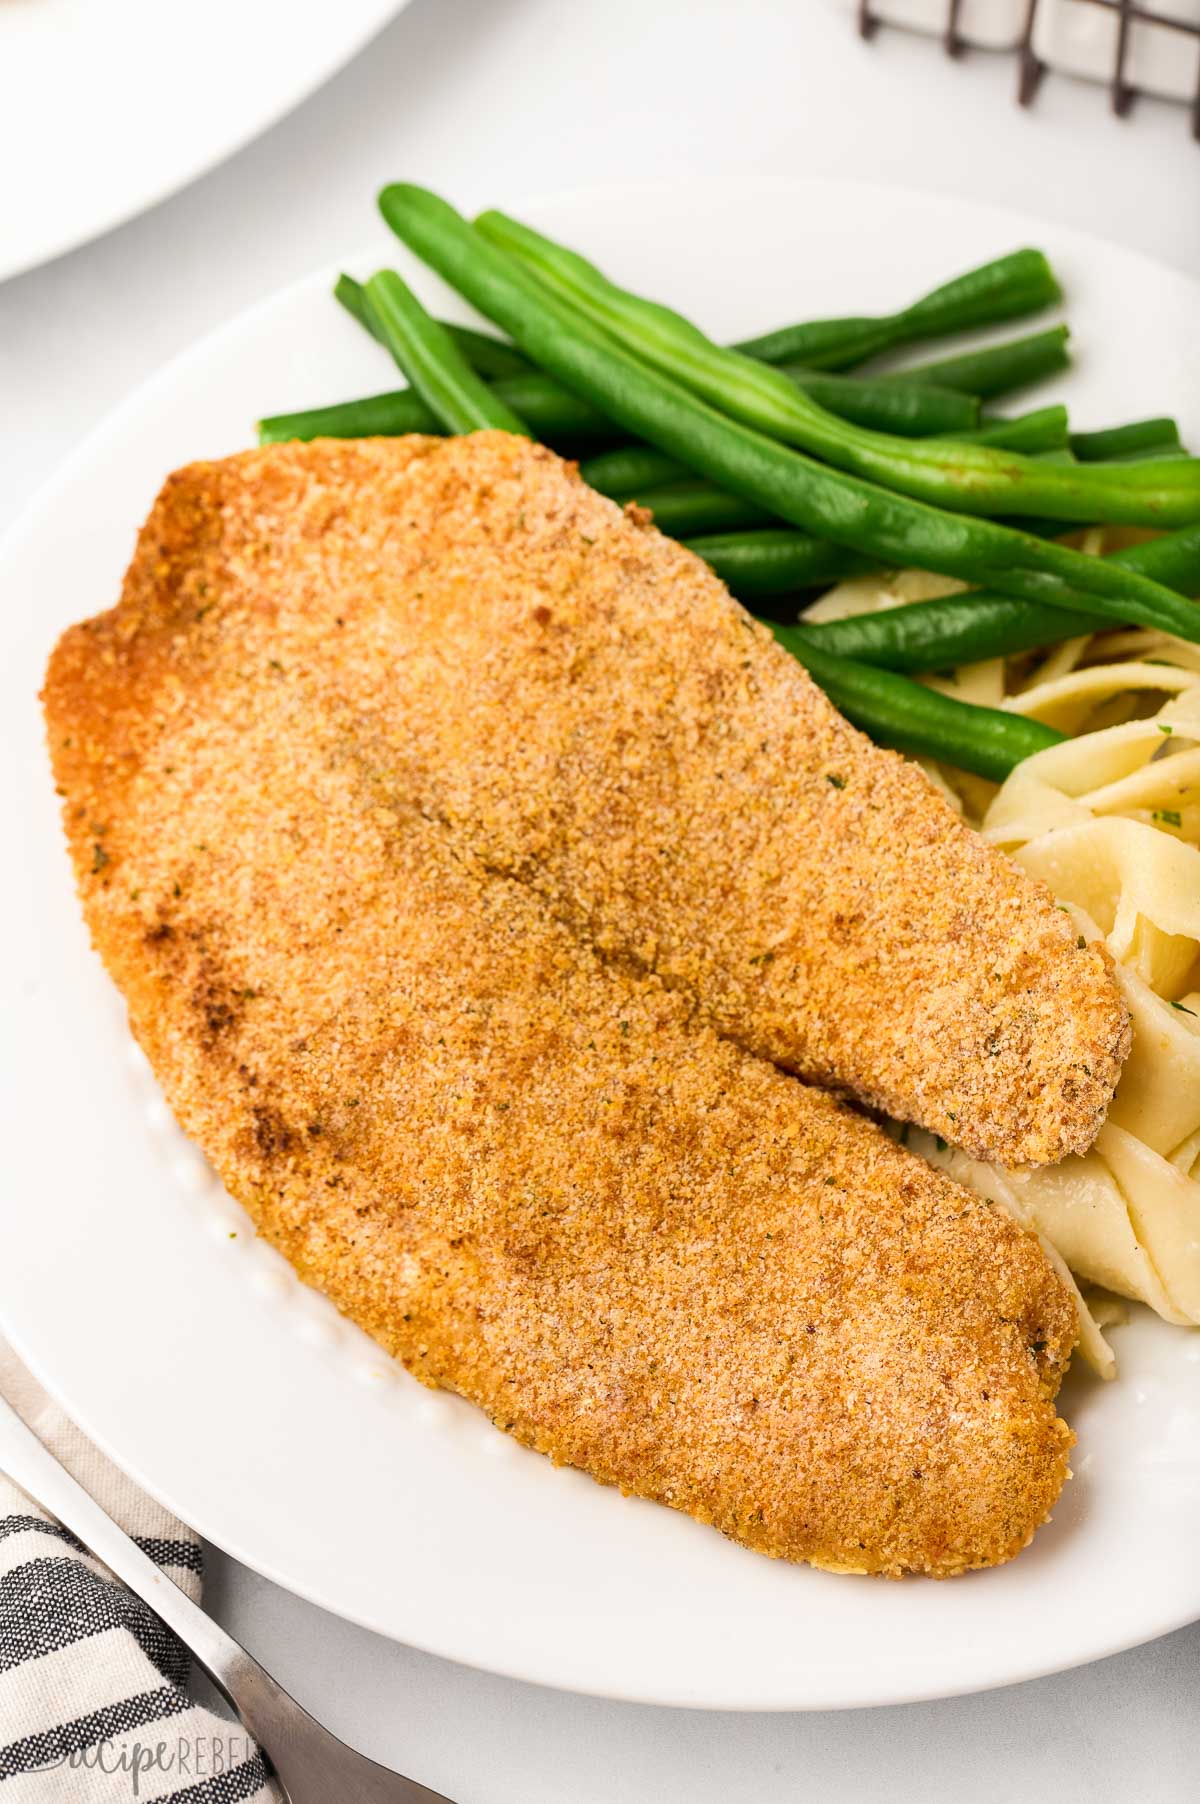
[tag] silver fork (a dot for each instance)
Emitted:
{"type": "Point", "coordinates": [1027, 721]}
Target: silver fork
{"type": "Point", "coordinates": [311, 1765]}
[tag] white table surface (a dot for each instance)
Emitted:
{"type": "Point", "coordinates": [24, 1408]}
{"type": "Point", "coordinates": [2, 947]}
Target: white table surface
{"type": "Point", "coordinates": [490, 100]}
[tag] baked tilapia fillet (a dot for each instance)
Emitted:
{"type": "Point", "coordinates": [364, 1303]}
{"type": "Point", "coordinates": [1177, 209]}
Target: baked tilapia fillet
{"type": "Point", "coordinates": [538, 1168]}
{"type": "Point", "coordinates": [585, 708]}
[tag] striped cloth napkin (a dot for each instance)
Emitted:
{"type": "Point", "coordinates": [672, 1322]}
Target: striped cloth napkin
{"type": "Point", "coordinates": [93, 1701]}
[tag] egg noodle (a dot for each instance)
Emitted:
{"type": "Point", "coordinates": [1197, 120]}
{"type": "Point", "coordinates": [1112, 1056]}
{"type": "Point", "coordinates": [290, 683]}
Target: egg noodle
{"type": "Point", "coordinates": [1110, 821]}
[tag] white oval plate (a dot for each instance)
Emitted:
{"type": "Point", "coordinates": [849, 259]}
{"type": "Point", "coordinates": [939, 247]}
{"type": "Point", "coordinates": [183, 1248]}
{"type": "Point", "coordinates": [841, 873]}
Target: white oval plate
{"type": "Point", "coordinates": [107, 108]}
{"type": "Point", "coordinates": [184, 1346]}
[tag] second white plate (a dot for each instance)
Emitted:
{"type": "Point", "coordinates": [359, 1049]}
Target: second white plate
{"type": "Point", "coordinates": [105, 109]}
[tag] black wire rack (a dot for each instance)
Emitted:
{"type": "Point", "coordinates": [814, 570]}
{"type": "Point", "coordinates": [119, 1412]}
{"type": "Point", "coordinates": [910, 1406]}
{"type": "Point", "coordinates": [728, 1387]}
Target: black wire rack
{"type": "Point", "coordinates": [1122, 92]}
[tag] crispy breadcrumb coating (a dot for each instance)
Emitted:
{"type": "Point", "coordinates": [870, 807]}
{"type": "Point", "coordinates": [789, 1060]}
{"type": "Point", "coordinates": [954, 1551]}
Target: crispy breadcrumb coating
{"type": "Point", "coordinates": [582, 702]}
{"type": "Point", "coordinates": [531, 1169]}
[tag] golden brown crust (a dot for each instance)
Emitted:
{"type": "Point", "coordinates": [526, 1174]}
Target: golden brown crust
{"type": "Point", "coordinates": [537, 1177]}
{"type": "Point", "coordinates": [581, 700]}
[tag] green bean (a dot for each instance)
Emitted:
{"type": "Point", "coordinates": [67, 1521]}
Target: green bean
{"type": "Point", "coordinates": [683, 509]}
{"type": "Point", "coordinates": [489, 357]}
{"type": "Point", "coordinates": [909, 409]}
{"type": "Point", "coordinates": [1034, 433]}
{"type": "Point", "coordinates": [830, 505]}
{"type": "Point", "coordinates": [688, 508]}
{"type": "Point", "coordinates": [682, 504]}
{"type": "Point", "coordinates": [636, 472]}
{"type": "Point", "coordinates": [943, 633]}
{"type": "Point", "coordinates": [628, 471]}
{"type": "Point", "coordinates": [353, 297]}
{"type": "Point", "coordinates": [902, 404]}
{"type": "Point", "coordinates": [775, 561]}
{"type": "Point", "coordinates": [963, 629]}
{"type": "Point", "coordinates": [755, 565]}
{"type": "Point", "coordinates": [459, 399]}
{"type": "Point", "coordinates": [995, 369]}
{"type": "Point", "coordinates": [373, 416]}
{"type": "Point", "coordinates": [898, 712]}
{"type": "Point", "coordinates": [1011, 286]}
{"type": "Point", "coordinates": [1157, 453]}
{"type": "Point", "coordinates": [1173, 560]}
{"type": "Point", "coordinates": [1116, 442]}
{"type": "Point", "coordinates": [926, 405]}
{"type": "Point", "coordinates": [973, 478]}
{"type": "Point", "coordinates": [551, 410]}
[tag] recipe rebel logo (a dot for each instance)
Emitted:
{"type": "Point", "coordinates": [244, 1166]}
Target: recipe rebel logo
{"type": "Point", "coordinates": [187, 1757]}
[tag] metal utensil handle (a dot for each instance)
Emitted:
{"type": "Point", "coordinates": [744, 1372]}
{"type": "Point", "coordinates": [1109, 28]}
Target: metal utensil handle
{"type": "Point", "coordinates": [251, 1691]}
{"type": "Point", "coordinates": [311, 1765]}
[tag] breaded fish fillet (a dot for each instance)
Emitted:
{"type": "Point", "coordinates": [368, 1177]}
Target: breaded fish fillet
{"type": "Point", "coordinates": [580, 700]}
{"type": "Point", "coordinates": [536, 1176]}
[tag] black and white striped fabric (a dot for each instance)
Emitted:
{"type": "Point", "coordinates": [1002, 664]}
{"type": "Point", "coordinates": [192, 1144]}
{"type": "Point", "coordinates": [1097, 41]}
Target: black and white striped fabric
{"type": "Point", "coordinates": [94, 1706]}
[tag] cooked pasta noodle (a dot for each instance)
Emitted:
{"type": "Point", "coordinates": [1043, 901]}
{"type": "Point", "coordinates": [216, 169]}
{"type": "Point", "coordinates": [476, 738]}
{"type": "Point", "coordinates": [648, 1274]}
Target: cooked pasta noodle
{"type": "Point", "coordinates": [1110, 821]}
